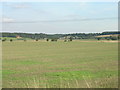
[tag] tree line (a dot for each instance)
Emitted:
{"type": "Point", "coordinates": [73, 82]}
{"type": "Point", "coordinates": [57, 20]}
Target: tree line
{"type": "Point", "coordinates": [66, 37]}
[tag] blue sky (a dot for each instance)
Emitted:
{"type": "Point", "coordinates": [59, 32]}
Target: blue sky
{"type": "Point", "coordinates": [59, 17]}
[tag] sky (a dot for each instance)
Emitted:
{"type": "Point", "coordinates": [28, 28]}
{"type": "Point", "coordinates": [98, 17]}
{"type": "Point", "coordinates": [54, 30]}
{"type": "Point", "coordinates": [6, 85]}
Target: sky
{"type": "Point", "coordinates": [58, 17]}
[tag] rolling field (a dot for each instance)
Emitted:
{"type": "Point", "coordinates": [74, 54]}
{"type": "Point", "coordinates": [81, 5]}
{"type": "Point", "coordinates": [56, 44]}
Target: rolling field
{"type": "Point", "coordinates": [59, 64]}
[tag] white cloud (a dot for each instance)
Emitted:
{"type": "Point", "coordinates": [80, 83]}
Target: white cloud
{"type": "Point", "coordinates": [18, 5]}
{"type": "Point", "coordinates": [7, 20]}
{"type": "Point", "coordinates": [74, 17]}
{"type": "Point", "coordinates": [83, 4]}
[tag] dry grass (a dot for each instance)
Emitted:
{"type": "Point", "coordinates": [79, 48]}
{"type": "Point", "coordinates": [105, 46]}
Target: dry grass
{"type": "Point", "coordinates": [116, 35]}
{"type": "Point", "coordinates": [58, 64]}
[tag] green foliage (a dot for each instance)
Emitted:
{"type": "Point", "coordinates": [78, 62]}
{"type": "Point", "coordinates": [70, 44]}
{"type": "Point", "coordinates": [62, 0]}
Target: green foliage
{"type": "Point", "coordinates": [113, 38]}
{"type": "Point", "coordinates": [54, 40]}
{"type": "Point", "coordinates": [118, 37]}
{"type": "Point", "coordinates": [11, 40]}
{"type": "Point", "coordinates": [70, 38]}
{"type": "Point", "coordinates": [98, 38]}
{"type": "Point", "coordinates": [3, 40]}
{"type": "Point", "coordinates": [57, 36]}
{"type": "Point", "coordinates": [36, 39]}
{"type": "Point", "coordinates": [47, 39]}
{"type": "Point", "coordinates": [65, 40]}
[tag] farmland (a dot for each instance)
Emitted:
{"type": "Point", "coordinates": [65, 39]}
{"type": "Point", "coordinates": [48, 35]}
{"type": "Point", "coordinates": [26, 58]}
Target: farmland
{"type": "Point", "coordinates": [41, 64]}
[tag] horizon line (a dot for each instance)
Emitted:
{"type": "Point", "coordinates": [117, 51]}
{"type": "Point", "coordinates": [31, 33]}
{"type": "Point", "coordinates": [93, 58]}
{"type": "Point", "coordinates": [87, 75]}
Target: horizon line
{"type": "Point", "coordinates": [58, 33]}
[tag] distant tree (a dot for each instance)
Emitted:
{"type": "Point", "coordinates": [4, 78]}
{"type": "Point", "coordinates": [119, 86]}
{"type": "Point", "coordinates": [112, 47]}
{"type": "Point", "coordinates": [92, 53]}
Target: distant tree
{"type": "Point", "coordinates": [70, 38]}
{"type": "Point", "coordinates": [47, 39]}
{"type": "Point", "coordinates": [113, 38]}
{"type": "Point", "coordinates": [65, 36]}
{"type": "Point", "coordinates": [36, 39]}
{"type": "Point", "coordinates": [98, 38]}
{"type": "Point", "coordinates": [107, 38]}
{"type": "Point", "coordinates": [118, 37]}
{"type": "Point", "coordinates": [65, 40]}
{"type": "Point", "coordinates": [11, 40]}
{"type": "Point", "coordinates": [3, 40]}
{"type": "Point", "coordinates": [54, 39]}
{"type": "Point", "coordinates": [25, 40]}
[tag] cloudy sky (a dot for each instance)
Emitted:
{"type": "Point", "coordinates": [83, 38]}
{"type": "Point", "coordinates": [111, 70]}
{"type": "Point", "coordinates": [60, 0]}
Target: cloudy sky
{"type": "Point", "coordinates": [58, 17]}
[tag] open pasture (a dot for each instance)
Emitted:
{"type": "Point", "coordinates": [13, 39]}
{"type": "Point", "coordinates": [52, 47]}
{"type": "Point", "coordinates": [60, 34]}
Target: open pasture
{"type": "Point", "coordinates": [59, 64]}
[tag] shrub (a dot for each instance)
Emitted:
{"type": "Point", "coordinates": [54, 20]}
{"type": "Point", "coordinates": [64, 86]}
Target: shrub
{"type": "Point", "coordinates": [36, 39]}
{"type": "Point", "coordinates": [25, 40]}
{"type": "Point", "coordinates": [98, 38]}
{"type": "Point", "coordinates": [11, 40]}
{"type": "Point", "coordinates": [3, 40]}
{"type": "Point", "coordinates": [54, 39]}
{"type": "Point", "coordinates": [47, 39]}
{"type": "Point", "coordinates": [113, 38]}
{"type": "Point", "coordinates": [70, 39]}
{"type": "Point", "coordinates": [65, 40]}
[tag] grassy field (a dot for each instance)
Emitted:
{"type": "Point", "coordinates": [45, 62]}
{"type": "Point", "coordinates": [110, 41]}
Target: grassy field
{"type": "Point", "coordinates": [60, 64]}
{"type": "Point", "coordinates": [15, 39]}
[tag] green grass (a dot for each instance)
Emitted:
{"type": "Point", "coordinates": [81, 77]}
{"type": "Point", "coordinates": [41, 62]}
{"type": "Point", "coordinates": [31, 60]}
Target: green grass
{"type": "Point", "coordinates": [15, 39]}
{"type": "Point", "coordinates": [60, 64]}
